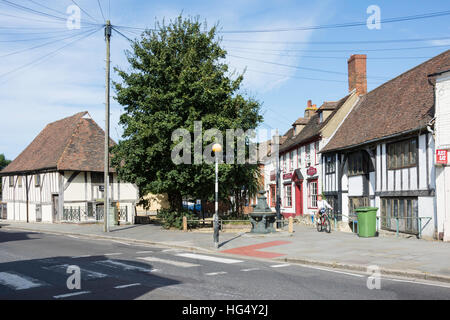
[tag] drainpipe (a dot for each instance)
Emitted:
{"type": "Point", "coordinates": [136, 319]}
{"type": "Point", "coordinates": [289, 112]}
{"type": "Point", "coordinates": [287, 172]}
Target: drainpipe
{"type": "Point", "coordinates": [28, 207]}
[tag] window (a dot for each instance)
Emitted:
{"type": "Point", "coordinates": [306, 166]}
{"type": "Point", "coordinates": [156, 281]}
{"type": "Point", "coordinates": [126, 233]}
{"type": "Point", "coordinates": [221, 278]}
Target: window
{"type": "Point", "coordinates": [358, 163]}
{"type": "Point", "coordinates": [330, 165]}
{"type": "Point", "coordinates": [37, 180]}
{"type": "Point", "coordinates": [19, 181]}
{"type": "Point", "coordinates": [357, 202]}
{"type": "Point", "coordinates": [99, 178]}
{"type": "Point", "coordinates": [316, 150]}
{"type": "Point", "coordinates": [404, 209]}
{"type": "Point", "coordinates": [291, 161]}
{"type": "Point", "coordinates": [284, 163]}
{"type": "Point", "coordinates": [273, 195]}
{"type": "Point", "coordinates": [307, 155]}
{"type": "Point", "coordinates": [402, 154]}
{"type": "Point", "coordinates": [11, 181]}
{"type": "Point", "coordinates": [313, 191]}
{"type": "Point", "coordinates": [288, 195]}
{"type": "Point", "coordinates": [299, 158]}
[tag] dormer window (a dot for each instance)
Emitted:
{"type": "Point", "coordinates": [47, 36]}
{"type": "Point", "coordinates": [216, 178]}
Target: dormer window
{"type": "Point", "coordinates": [320, 117]}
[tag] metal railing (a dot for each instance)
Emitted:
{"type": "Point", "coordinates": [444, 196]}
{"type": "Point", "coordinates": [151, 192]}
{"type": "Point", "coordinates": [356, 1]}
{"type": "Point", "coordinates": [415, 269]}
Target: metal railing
{"type": "Point", "coordinates": [353, 218]}
{"type": "Point", "coordinates": [283, 222]}
{"type": "Point", "coordinates": [78, 214]}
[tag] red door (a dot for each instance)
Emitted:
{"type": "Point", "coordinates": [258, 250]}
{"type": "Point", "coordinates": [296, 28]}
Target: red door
{"type": "Point", "coordinates": [299, 199]}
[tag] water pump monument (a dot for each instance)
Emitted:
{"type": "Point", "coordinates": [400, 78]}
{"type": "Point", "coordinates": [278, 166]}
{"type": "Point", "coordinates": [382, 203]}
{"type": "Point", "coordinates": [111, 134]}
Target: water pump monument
{"type": "Point", "coordinates": [262, 217]}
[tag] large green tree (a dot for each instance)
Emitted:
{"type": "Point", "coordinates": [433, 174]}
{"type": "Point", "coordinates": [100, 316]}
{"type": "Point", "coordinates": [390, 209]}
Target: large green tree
{"type": "Point", "coordinates": [176, 76]}
{"type": "Point", "coordinates": [3, 164]}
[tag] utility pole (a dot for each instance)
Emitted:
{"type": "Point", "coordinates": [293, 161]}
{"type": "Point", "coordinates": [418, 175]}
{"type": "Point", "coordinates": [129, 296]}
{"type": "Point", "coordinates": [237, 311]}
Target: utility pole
{"type": "Point", "coordinates": [278, 203]}
{"type": "Point", "coordinates": [106, 179]}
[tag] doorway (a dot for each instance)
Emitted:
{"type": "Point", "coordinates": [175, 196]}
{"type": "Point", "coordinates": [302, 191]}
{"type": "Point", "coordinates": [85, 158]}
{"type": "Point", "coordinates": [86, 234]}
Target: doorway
{"type": "Point", "coordinates": [299, 199]}
{"type": "Point", "coordinates": [55, 207]}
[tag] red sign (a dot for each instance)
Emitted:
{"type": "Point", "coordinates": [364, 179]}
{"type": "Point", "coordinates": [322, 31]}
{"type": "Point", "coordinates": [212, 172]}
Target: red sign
{"type": "Point", "coordinates": [311, 171]}
{"type": "Point", "coordinates": [287, 176]}
{"type": "Point", "coordinates": [441, 157]}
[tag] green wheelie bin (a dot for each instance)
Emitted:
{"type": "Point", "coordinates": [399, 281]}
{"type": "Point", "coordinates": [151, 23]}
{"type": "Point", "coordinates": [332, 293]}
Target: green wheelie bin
{"type": "Point", "coordinates": [367, 221]}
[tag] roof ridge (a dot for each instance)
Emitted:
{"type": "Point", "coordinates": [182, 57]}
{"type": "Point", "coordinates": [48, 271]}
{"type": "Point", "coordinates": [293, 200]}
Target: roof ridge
{"type": "Point", "coordinates": [75, 131]}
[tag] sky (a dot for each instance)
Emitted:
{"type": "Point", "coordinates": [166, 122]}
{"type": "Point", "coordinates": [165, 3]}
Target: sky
{"type": "Point", "coordinates": [48, 72]}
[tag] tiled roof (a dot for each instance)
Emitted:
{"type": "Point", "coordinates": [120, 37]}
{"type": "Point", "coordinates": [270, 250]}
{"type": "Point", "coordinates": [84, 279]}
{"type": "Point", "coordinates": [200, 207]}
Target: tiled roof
{"type": "Point", "coordinates": [403, 104]}
{"type": "Point", "coordinates": [73, 143]}
{"type": "Point", "coordinates": [311, 130]}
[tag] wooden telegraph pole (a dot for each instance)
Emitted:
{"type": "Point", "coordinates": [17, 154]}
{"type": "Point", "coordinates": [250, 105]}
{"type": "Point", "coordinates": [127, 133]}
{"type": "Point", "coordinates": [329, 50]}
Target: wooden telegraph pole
{"type": "Point", "coordinates": [106, 180]}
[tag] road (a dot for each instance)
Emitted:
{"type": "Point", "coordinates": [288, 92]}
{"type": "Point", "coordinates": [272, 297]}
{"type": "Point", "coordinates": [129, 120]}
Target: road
{"type": "Point", "coordinates": [34, 266]}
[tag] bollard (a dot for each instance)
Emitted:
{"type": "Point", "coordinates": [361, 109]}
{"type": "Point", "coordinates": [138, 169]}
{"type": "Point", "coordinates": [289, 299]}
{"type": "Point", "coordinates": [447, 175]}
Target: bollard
{"type": "Point", "coordinates": [185, 225]}
{"type": "Point", "coordinates": [291, 224]}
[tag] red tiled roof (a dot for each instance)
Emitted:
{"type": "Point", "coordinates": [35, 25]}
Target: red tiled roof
{"type": "Point", "coordinates": [73, 143]}
{"type": "Point", "coordinates": [403, 104]}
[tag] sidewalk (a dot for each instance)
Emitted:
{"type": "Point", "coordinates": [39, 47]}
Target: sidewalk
{"type": "Point", "coordinates": [413, 258]}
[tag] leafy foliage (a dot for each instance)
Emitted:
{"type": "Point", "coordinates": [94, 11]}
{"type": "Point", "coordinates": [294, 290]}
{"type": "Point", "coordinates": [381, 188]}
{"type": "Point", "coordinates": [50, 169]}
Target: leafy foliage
{"type": "Point", "coordinates": [174, 219]}
{"type": "Point", "coordinates": [177, 76]}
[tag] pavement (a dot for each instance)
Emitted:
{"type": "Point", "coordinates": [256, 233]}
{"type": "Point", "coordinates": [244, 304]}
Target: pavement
{"type": "Point", "coordinates": [42, 266]}
{"type": "Point", "coordinates": [411, 258]}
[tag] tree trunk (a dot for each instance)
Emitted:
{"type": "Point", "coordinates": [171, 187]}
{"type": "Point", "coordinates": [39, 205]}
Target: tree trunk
{"type": "Point", "coordinates": [176, 201]}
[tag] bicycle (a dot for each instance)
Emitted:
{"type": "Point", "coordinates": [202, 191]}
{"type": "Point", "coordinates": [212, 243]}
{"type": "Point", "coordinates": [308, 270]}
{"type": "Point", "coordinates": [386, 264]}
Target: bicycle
{"type": "Point", "coordinates": [323, 221]}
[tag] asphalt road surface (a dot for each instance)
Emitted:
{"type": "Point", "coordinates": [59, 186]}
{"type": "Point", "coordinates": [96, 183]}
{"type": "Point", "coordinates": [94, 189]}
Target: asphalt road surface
{"type": "Point", "coordinates": [34, 266]}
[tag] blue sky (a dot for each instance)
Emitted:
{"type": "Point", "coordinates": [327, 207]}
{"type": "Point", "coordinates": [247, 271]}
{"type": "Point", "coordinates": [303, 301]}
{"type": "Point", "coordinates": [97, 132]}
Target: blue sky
{"type": "Point", "coordinates": [72, 79]}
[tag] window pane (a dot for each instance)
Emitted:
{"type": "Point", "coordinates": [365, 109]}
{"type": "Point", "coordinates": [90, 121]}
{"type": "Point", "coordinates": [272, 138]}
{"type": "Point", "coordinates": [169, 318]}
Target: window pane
{"type": "Point", "coordinates": [413, 152]}
{"type": "Point", "coordinates": [406, 154]}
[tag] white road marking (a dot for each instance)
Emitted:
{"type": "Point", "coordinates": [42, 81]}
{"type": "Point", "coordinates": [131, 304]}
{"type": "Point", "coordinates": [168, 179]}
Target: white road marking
{"type": "Point", "coordinates": [215, 273]}
{"type": "Point", "coordinates": [208, 258]}
{"type": "Point", "coordinates": [172, 262]}
{"type": "Point", "coordinates": [335, 271]}
{"type": "Point", "coordinates": [112, 254]}
{"type": "Point", "coordinates": [251, 269]}
{"type": "Point", "coordinates": [144, 252]}
{"type": "Point", "coordinates": [280, 265]}
{"type": "Point", "coordinates": [128, 267]}
{"type": "Point", "coordinates": [127, 286]}
{"type": "Point", "coordinates": [417, 282]}
{"type": "Point", "coordinates": [85, 273]}
{"type": "Point", "coordinates": [67, 295]}
{"type": "Point", "coordinates": [171, 250]}
{"type": "Point", "coordinates": [16, 282]}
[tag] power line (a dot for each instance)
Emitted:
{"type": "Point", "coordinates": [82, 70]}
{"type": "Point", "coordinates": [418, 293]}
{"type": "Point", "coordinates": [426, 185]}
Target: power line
{"type": "Point", "coordinates": [296, 67]}
{"type": "Point", "coordinates": [262, 52]}
{"type": "Point", "coordinates": [120, 33]}
{"type": "Point", "coordinates": [41, 45]}
{"type": "Point", "coordinates": [87, 13]}
{"type": "Point", "coordinates": [101, 10]}
{"type": "Point", "coordinates": [339, 42]}
{"type": "Point", "coordinates": [344, 25]}
{"type": "Point", "coordinates": [48, 8]}
{"type": "Point", "coordinates": [42, 58]}
{"type": "Point", "coordinates": [330, 26]}
{"type": "Point", "coordinates": [349, 50]}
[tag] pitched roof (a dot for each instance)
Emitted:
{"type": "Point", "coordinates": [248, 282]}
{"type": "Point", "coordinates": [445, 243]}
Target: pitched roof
{"type": "Point", "coordinates": [311, 130]}
{"type": "Point", "coordinates": [73, 143]}
{"type": "Point", "coordinates": [405, 103]}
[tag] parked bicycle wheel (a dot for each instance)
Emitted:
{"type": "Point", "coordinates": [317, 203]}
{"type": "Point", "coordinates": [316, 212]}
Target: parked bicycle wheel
{"type": "Point", "coordinates": [327, 225]}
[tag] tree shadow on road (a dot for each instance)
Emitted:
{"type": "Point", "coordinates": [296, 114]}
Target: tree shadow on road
{"type": "Point", "coordinates": [102, 278]}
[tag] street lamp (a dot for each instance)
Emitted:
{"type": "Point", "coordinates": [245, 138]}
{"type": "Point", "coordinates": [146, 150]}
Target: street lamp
{"type": "Point", "coordinates": [217, 148]}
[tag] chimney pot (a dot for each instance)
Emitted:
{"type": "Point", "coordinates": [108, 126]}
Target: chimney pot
{"type": "Point", "coordinates": [357, 73]}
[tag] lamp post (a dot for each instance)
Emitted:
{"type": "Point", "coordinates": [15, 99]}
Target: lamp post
{"type": "Point", "coordinates": [217, 148]}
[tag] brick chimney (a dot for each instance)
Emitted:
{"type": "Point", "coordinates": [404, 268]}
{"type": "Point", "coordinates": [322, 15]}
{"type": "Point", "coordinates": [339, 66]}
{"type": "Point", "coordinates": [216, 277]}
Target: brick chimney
{"type": "Point", "coordinates": [310, 109]}
{"type": "Point", "coordinates": [357, 74]}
